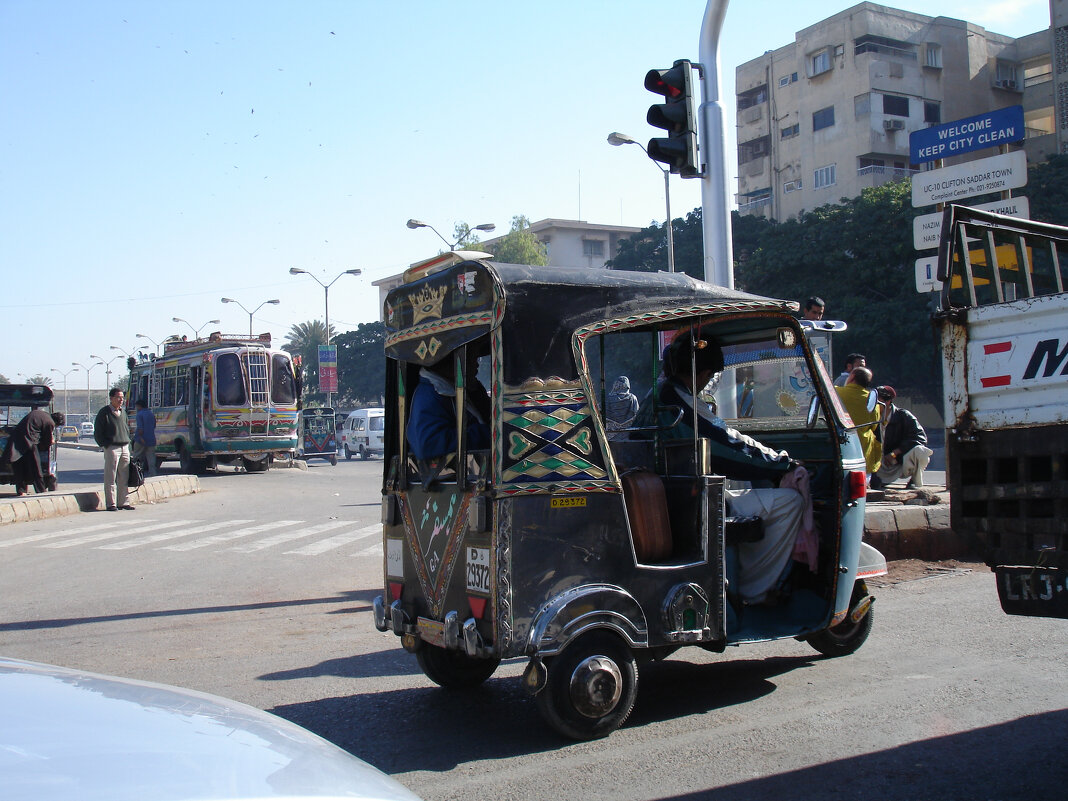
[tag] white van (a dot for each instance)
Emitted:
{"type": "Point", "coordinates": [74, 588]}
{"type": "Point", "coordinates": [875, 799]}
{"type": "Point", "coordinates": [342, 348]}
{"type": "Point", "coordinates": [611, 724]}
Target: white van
{"type": "Point", "coordinates": [362, 433]}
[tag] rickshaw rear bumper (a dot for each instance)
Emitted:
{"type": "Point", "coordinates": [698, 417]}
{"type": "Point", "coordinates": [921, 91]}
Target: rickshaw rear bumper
{"type": "Point", "coordinates": [457, 636]}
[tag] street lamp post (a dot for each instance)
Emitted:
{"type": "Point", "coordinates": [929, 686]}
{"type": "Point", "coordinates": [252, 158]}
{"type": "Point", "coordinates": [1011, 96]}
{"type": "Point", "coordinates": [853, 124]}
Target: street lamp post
{"type": "Point", "coordinates": [616, 139]}
{"type": "Point", "coordinates": [88, 401]}
{"type": "Point", "coordinates": [66, 409]}
{"type": "Point", "coordinates": [196, 331]}
{"type": "Point", "coordinates": [420, 224]}
{"type": "Point", "coordinates": [159, 350]}
{"type": "Point", "coordinates": [250, 313]}
{"type": "Point", "coordinates": [107, 367]}
{"type": "Point", "coordinates": [326, 302]}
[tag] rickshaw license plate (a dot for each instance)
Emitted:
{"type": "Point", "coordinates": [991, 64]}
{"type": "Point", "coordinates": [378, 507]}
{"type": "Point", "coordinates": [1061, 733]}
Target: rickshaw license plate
{"type": "Point", "coordinates": [1035, 591]}
{"type": "Point", "coordinates": [431, 631]}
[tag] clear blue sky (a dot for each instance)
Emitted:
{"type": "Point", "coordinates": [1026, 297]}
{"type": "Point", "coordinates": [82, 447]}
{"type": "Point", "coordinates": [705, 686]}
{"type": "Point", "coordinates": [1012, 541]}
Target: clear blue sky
{"type": "Point", "coordinates": [156, 156]}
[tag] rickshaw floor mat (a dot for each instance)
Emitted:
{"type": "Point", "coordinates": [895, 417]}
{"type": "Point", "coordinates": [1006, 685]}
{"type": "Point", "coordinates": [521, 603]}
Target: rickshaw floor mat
{"type": "Point", "coordinates": [803, 611]}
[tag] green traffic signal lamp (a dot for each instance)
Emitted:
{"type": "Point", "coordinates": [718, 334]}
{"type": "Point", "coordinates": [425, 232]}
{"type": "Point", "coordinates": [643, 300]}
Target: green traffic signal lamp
{"type": "Point", "coordinates": [677, 116]}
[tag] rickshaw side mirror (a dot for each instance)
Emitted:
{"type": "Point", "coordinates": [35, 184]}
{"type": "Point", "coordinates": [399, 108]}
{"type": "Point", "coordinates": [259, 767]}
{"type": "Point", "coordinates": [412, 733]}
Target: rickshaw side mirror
{"type": "Point", "coordinates": [813, 412]}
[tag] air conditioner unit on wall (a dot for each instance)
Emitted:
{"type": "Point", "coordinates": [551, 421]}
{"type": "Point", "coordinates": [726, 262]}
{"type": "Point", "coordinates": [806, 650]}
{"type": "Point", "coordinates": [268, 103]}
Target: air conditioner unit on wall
{"type": "Point", "coordinates": [1005, 84]}
{"type": "Point", "coordinates": [893, 125]}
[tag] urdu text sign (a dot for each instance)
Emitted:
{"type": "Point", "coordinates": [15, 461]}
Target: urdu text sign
{"type": "Point", "coordinates": [949, 184]}
{"type": "Point", "coordinates": [991, 129]}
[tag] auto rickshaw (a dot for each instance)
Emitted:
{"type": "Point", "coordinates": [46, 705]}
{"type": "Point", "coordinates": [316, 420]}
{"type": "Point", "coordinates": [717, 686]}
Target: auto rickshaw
{"type": "Point", "coordinates": [318, 434]}
{"type": "Point", "coordinates": [540, 545]}
{"type": "Point", "coordinates": [17, 401]}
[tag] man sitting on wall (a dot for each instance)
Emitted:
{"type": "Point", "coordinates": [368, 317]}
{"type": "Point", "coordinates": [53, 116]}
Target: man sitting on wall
{"type": "Point", "coordinates": [905, 450]}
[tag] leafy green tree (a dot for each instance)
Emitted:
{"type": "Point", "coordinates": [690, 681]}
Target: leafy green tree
{"type": "Point", "coordinates": [303, 340]}
{"type": "Point", "coordinates": [361, 364]}
{"type": "Point", "coordinates": [646, 251]}
{"type": "Point", "coordinates": [1047, 188]}
{"type": "Point", "coordinates": [520, 245]}
{"type": "Point", "coordinates": [465, 237]}
{"type": "Point", "coordinates": [3, 379]}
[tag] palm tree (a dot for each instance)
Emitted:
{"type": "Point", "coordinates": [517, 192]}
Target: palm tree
{"type": "Point", "coordinates": [303, 340]}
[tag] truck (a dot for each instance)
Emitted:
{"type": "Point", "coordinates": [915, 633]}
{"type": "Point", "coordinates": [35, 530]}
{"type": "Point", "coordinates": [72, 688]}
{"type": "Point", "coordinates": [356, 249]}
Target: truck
{"type": "Point", "coordinates": [1003, 321]}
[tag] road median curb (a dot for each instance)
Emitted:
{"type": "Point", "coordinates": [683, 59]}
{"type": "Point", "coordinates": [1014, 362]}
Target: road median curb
{"type": "Point", "coordinates": [56, 504]}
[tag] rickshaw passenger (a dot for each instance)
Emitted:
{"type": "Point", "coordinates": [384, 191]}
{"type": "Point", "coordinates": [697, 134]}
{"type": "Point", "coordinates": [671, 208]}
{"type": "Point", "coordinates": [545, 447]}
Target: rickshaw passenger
{"type": "Point", "coordinates": [735, 456]}
{"type": "Point", "coordinates": [431, 430]}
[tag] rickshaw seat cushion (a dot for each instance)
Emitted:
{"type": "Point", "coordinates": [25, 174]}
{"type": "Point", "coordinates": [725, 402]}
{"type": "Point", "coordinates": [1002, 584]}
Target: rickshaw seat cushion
{"type": "Point", "coordinates": [744, 529]}
{"type": "Point", "coordinates": [647, 509]}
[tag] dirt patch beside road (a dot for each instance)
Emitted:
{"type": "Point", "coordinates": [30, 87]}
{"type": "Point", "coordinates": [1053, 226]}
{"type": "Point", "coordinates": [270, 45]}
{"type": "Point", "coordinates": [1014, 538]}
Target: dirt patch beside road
{"type": "Point", "coordinates": [903, 570]}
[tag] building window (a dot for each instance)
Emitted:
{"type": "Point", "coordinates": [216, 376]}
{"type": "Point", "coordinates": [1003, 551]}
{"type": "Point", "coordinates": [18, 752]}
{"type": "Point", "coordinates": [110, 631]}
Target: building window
{"type": "Point", "coordinates": [790, 186]}
{"type": "Point", "coordinates": [932, 55]}
{"type": "Point", "coordinates": [1006, 75]}
{"type": "Point", "coordinates": [824, 118]}
{"type": "Point", "coordinates": [819, 62]}
{"type": "Point", "coordinates": [753, 97]}
{"type": "Point", "coordinates": [753, 149]}
{"type": "Point", "coordinates": [593, 248]}
{"type": "Point", "coordinates": [897, 106]}
{"type": "Point", "coordinates": [884, 46]}
{"type": "Point", "coordinates": [865, 161]}
{"type": "Point", "coordinates": [790, 131]}
{"type": "Point", "coordinates": [824, 176]}
{"type": "Point", "coordinates": [932, 111]}
{"type": "Point", "coordinates": [862, 105]}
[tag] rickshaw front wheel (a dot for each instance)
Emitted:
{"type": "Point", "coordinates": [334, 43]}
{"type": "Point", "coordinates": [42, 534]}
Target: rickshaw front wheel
{"type": "Point", "coordinates": [454, 670]}
{"type": "Point", "coordinates": [591, 686]}
{"type": "Point", "coordinates": [847, 636]}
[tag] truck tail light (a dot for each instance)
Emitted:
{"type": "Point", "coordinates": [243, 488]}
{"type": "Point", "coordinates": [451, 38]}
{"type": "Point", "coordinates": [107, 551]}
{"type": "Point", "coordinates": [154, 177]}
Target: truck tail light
{"type": "Point", "coordinates": [396, 588]}
{"type": "Point", "coordinates": [478, 606]}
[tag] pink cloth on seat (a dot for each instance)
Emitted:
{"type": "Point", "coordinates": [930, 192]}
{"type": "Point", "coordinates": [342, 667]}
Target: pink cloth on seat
{"type": "Point", "coordinates": [807, 544]}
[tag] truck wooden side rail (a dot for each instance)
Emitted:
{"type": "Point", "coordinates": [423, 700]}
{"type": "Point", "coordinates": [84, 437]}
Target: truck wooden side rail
{"type": "Point", "coordinates": [1003, 317]}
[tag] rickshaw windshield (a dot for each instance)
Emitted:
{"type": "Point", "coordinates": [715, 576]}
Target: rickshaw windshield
{"type": "Point", "coordinates": [766, 383]}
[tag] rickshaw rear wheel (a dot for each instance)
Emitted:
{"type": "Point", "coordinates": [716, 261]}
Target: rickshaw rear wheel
{"type": "Point", "coordinates": [454, 670]}
{"type": "Point", "coordinates": [847, 636]}
{"type": "Point", "coordinates": [333, 460]}
{"type": "Point", "coordinates": [591, 686]}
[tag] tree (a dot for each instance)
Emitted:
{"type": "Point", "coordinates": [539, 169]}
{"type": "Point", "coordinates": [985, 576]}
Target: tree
{"type": "Point", "coordinates": [465, 237]}
{"type": "Point", "coordinates": [646, 251]}
{"type": "Point", "coordinates": [3, 379]}
{"type": "Point", "coordinates": [520, 245]}
{"type": "Point", "coordinates": [303, 340]}
{"type": "Point", "coordinates": [361, 364]}
{"type": "Point", "coordinates": [1047, 188]}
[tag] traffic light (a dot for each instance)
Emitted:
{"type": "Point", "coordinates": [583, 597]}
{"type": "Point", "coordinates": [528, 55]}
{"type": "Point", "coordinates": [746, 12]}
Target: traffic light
{"type": "Point", "coordinates": [677, 116]}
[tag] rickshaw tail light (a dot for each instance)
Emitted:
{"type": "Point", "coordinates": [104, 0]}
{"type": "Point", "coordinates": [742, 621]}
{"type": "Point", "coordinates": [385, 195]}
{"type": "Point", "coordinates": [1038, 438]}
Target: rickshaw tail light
{"type": "Point", "coordinates": [478, 607]}
{"type": "Point", "coordinates": [858, 485]}
{"type": "Point", "coordinates": [395, 590]}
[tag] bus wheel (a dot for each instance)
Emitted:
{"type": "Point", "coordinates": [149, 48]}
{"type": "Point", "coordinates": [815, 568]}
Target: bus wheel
{"type": "Point", "coordinates": [348, 453]}
{"type": "Point", "coordinates": [333, 460]}
{"type": "Point", "coordinates": [452, 669]}
{"type": "Point", "coordinates": [255, 465]}
{"type": "Point", "coordinates": [364, 453]}
{"type": "Point", "coordinates": [847, 636]}
{"type": "Point", "coordinates": [590, 687]}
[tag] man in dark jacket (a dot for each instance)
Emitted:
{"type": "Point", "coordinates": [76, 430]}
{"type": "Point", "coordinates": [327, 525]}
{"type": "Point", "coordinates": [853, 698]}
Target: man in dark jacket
{"type": "Point", "coordinates": [31, 438]}
{"type": "Point", "coordinates": [112, 433]}
{"type": "Point", "coordinates": [905, 450]}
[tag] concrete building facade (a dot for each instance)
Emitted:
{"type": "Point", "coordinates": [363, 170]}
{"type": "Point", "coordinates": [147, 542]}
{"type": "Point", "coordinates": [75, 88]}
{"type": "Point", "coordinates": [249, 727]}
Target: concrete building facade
{"type": "Point", "coordinates": [830, 114]}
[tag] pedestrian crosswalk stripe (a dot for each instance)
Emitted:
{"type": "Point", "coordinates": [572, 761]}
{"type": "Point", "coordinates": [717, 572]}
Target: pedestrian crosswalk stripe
{"type": "Point", "coordinates": [330, 543]}
{"type": "Point", "coordinates": [108, 535]}
{"type": "Point", "coordinates": [167, 535]}
{"type": "Point", "coordinates": [288, 536]}
{"type": "Point", "coordinates": [227, 536]}
{"type": "Point", "coordinates": [51, 535]}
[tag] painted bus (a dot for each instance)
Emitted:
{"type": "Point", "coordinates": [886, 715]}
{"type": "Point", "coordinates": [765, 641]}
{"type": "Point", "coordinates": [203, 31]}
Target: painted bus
{"type": "Point", "coordinates": [219, 400]}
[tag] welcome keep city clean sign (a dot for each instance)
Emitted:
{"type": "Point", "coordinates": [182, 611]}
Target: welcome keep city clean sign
{"type": "Point", "coordinates": [998, 127]}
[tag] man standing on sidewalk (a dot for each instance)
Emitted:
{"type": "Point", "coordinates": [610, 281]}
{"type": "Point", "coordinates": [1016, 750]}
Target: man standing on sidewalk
{"type": "Point", "coordinates": [112, 433]}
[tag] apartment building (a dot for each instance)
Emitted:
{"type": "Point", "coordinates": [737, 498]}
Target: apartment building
{"type": "Point", "coordinates": [830, 114]}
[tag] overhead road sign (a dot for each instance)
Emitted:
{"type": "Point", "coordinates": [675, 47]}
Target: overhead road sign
{"type": "Point", "coordinates": [991, 129]}
{"type": "Point", "coordinates": [927, 228]}
{"type": "Point", "coordinates": [980, 177]}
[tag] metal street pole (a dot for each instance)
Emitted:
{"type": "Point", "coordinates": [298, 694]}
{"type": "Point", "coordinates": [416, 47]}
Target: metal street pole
{"type": "Point", "coordinates": [66, 405]}
{"type": "Point", "coordinates": [326, 302]}
{"type": "Point", "coordinates": [88, 391]}
{"type": "Point", "coordinates": [616, 139]}
{"type": "Point", "coordinates": [196, 331]}
{"type": "Point", "coordinates": [275, 302]}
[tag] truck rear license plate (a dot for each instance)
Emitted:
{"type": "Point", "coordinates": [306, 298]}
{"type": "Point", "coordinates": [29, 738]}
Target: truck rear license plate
{"type": "Point", "coordinates": [1033, 591]}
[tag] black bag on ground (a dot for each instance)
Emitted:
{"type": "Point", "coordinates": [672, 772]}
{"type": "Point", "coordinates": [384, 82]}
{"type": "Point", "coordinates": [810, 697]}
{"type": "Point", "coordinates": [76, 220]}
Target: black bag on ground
{"type": "Point", "coordinates": [137, 475]}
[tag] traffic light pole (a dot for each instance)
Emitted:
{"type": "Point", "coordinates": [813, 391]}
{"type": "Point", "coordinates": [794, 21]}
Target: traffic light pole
{"type": "Point", "coordinates": [715, 189]}
{"type": "Point", "coordinates": [670, 225]}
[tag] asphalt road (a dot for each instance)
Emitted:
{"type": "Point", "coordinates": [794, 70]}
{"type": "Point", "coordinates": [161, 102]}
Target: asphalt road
{"type": "Point", "coordinates": [259, 589]}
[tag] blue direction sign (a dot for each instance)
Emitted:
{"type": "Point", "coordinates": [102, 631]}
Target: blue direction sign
{"type": "Point", "coordinates": [971, 133]}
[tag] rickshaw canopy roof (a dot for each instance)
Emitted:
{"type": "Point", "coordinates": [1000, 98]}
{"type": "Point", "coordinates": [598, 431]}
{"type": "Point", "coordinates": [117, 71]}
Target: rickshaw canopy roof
{"type": "Point", "coordinates": [539, 308]}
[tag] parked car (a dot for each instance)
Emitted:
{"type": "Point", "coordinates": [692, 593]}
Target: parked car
{"type": "Point", "coordinates": [70, 734]}
{"type": "Point", "coordinates": [68, 433]}
{"type": "Point", "coordinates": [86, 429]}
